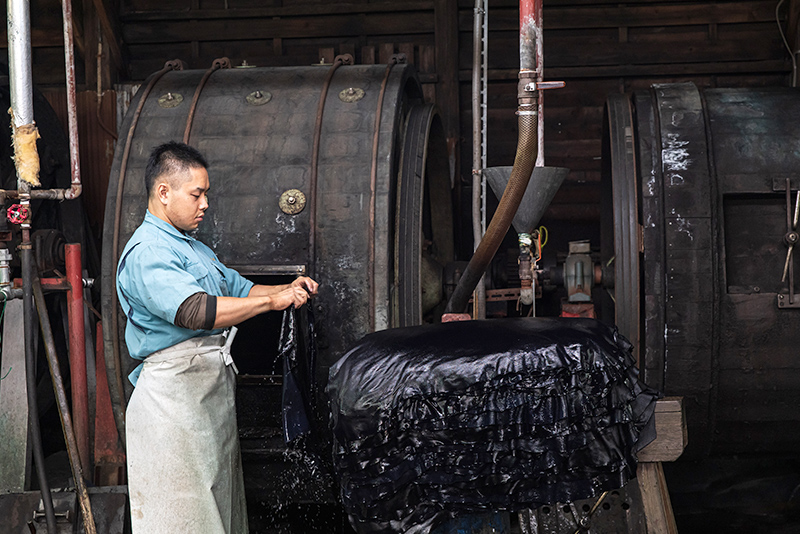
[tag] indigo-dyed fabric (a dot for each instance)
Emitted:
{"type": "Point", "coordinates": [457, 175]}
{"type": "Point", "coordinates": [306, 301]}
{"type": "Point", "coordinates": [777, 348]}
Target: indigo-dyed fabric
{"type": "Point", "coordinates": [461, 417]}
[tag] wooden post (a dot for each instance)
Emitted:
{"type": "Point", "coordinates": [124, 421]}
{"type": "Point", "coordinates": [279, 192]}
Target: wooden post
{"type": "Point", "coordinates": [446, 40]}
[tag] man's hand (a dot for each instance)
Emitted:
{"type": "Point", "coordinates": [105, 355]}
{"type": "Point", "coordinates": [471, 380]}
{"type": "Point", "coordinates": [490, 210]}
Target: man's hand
{"type": "Point", "coordinates": [292, 295]}
{"type": "Point", "coordinates": [307, 284]}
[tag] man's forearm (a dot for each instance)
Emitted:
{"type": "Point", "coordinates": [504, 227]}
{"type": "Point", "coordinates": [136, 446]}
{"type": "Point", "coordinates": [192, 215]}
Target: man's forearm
{"type": "Point", "coordinates": [266, 291]}
{"type": "Point", "coordinates": [232, 311]}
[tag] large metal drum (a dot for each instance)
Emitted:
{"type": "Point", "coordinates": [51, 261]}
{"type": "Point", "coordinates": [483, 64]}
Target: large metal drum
{"type": "Point", "coordinates": [698, 183]}
{"type": "Point", "coordinates": [372, 214]}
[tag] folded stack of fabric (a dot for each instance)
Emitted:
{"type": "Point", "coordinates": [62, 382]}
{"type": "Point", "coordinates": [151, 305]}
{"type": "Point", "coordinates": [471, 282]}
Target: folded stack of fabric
{"type": "Point", "coordinates": [435, 421]}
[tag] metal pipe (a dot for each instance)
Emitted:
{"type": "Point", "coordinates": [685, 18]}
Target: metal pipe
{"type": "Point", "coordinates": [69, 62]}
{"type": "Point", "coordinates": [21, 86]}
{"type": "Point", "coordinates": [63, 408]}
{"type": "Point", "coordinates": [479, 306]}
{"type": "Point", "coordinates": [19, 61]}
{"type": "Point", "coordinates": [77, 352]}
{"type": "Point", "coordinates": [344, 59]}
{"type": "Point", "coordinates": [219, 63]}
{"type": "Point", "coordinates": [29, 314]}
{"type": "Point", "coordinates": [527, 149]}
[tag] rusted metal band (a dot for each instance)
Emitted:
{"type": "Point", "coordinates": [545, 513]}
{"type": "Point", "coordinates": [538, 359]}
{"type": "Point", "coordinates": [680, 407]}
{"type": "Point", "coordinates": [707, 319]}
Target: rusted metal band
{"type": "Point", "coordinates": [219, 63]}
{"type": "Point", "coordinates": [117, 389]}
{"type": "Point", "coordinates": [373, 179]}
{"type": "Point", "coordinates": [344, 59]}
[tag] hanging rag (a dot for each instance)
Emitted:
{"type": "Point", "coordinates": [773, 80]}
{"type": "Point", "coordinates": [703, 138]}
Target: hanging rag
{"type": "Point", "coordinates": [297, 351]}
{"type": "Point", "coordinates": [184, 464]}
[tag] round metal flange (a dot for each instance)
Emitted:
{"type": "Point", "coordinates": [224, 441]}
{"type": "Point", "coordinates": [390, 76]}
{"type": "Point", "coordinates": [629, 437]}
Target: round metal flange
{"type": "Point", "coordinates": [170, 100]}
{"type": "Point", "coordinates": [351, 94]}
{"type": "Point", "coordinates": [258, 98]}
{"type": "Point", "coordinates": [292, 201]}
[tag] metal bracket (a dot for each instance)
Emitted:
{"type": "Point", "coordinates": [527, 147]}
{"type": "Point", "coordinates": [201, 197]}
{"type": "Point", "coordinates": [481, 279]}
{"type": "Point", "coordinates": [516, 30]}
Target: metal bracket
{"type": "Point", "coordinates": [785, 302]}
{"type": "Point", "coordinates": [540, 86]}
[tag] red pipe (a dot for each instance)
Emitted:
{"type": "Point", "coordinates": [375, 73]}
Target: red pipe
{"type": "Point", "coordinates": [77, 353]}
{"type": "Point", "coordinates": [530, 30]}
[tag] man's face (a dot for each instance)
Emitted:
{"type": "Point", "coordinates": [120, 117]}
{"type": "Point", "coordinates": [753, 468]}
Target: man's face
{"type": "Point", "coordinates": [184, 199]}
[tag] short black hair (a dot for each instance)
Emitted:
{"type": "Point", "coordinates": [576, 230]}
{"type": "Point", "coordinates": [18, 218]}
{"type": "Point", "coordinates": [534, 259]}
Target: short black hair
{"type": "Point", "coordinates": [170, 158]}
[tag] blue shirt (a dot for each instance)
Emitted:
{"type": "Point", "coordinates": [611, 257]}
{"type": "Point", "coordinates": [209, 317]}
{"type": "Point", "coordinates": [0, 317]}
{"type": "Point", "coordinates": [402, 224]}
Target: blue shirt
{"type": "Point", "coordinates": [161, 267]}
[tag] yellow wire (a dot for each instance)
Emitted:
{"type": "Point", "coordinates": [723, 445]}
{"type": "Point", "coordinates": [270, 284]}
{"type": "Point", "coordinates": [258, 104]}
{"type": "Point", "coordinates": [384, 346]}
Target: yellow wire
{"type": "Point", "coordinates": [543, 231]}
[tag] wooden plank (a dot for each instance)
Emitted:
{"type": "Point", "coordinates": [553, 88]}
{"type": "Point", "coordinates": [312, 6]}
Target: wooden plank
{"type": "Point", "coordinates": [655, 70]}
{"type": "Point", "coordinates": [427, 66]}
{"type": "Point", "coordinates": [634, 15]}
{"type": "Point", "coordinates": [293, 9]}
{"type": "Point", "coordinates": [446, 37]}
{"type": "Point", "coordinates": [368, 55]}
{"type": "Point", "coordinates": [326, 55]}
{"type": "Point", "coordinates": [111, 31]}
{"type": "Point", "coordinates": [303, 27]}
{"type": "Point", "coordinates": [655, 499]}
{"type": "Point", "coordinates": [686, 47]}
{"type": "Point", "coordinates": [408, 50]}
{"type": "Point", "coordinates": [385, 52]}
{"type": "Point", "coordinates": [671, 434]}
{"type": "Point", "coordinates": [14, 446]}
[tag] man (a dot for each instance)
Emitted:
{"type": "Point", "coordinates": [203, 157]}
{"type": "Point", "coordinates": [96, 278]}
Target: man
{"type": "Point", "coordinates": [184, 467]}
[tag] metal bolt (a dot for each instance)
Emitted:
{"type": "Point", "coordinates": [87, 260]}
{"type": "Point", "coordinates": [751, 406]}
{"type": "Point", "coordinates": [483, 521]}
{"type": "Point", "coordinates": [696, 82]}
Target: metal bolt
{"type": "Point", "coordinates": [351, 91]}
{"type": "Point", "coordinates": [170, 97]}
{"type": "Point", "coordinates": [530, 87]}
{"type": "Point", "coordinates": [757, 289]}
{"type": "Point", "coordinates": [244, 63]}
{"type": "Point", "coordinates": [291, 200]}
{"type": "Point", "coordinates": [258, 94]}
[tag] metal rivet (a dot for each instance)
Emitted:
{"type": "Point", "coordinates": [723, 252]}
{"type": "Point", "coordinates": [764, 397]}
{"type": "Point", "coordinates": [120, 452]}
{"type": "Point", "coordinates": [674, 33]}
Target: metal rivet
{"type": "Point", "coordinates": [292, 201]}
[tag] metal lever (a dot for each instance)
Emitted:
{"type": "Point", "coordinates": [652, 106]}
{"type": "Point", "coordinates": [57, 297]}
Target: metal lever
{"type": "Point", "coordinates": [539, 86]}
{"type": "Point", "coordinates": [791, 236]}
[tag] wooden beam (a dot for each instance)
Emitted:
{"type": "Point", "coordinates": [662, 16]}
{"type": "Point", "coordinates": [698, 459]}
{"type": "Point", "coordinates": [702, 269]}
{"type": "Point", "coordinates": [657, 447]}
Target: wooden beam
{"type": "Point", "coordinates": [655, 499]}
{"type": "Point", "coordinates": [332, 8]}
{"type": "Point", "coordinates": [557, 18]}
{"type": "Point", "coordinates": [111, 32]}
{"type": "Point", "coordinates": [671, 434]}
{"type": "Point", "coordinates": [614, 71]}
{"type": "Point", "coordinates": [301, 27]}
{"type": "Point", "coordinates": [446, 40]}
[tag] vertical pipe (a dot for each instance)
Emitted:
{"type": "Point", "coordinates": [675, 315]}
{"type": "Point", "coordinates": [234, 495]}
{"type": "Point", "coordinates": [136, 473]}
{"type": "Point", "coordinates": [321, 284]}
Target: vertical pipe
{"type": "Point", "coordinates": [539, 14]}
{"type": "Point", "coordinates": [72, 115]}
{"type": "Point", "coordinates": [77, 353]}
{"type": "Point", "coordinates": [19, 61]}
{"type": "Point", "coordinates": [524, 161]}
{"type": "Point", "coordinates": [528, 30]}
{"type": "Point", "coordinates": [479, 298]}
{"type": "Point", "coordinates": [21, 85]}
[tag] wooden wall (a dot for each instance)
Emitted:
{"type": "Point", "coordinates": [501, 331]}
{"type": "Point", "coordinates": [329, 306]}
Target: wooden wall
{"type": "Point", "coordinates": [597, 46]}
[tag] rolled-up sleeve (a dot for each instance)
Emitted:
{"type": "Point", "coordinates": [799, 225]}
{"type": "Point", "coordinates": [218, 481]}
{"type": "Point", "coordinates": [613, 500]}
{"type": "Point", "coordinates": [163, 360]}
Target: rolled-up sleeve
{"type": "Point", "coordinates": [155, 278]}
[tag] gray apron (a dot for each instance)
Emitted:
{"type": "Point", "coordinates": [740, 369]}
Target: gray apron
{"type": "Point", "coordinates": [184, 465]}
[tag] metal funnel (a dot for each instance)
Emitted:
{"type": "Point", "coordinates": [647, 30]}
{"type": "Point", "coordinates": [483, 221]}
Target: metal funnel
{"type": "Point", "coordinates": [544, 183]}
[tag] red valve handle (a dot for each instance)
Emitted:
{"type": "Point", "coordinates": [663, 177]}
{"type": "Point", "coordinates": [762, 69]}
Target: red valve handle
{"type": "Point", "coordinates": [17, 214]}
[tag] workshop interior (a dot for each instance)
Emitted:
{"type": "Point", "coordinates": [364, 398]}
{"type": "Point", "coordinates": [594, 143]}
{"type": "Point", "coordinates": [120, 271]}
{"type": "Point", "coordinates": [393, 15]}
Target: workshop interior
{"type": "Point", "coordinates": [593, 203]}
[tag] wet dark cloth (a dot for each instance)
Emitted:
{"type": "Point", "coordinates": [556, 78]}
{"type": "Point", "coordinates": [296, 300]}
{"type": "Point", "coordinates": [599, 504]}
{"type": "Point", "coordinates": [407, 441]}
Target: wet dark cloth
{"type": "Point", "coordinates": [297, 351]}
{"type": "Point", "coordinates": [438, 420]}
